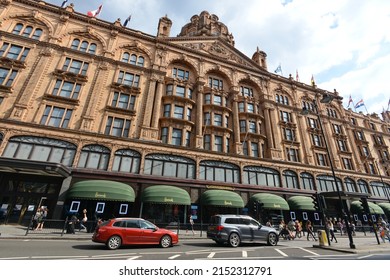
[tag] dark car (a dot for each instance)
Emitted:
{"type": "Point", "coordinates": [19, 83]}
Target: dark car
{"type": "Point", "coordinates": [235, 229]}
{"type": "Point", "coordinates": [132, 231]}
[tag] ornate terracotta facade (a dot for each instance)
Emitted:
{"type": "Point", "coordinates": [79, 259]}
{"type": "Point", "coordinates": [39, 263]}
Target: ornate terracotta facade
{"type": "Point", "coordinates": [191, 102]}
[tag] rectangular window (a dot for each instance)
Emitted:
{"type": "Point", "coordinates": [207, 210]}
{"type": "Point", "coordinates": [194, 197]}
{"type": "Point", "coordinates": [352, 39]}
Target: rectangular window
{"type": "Point", "coordinates": [241, 107]}
{"type": "Point", "coordinates": [66, 89]}
{"type": "Point", "coordinates": [217, 100]}
{"type": "Point", "coordinates": [189, 112]}
{"type": "Point", "coordinates": [178, 112]}
{"type": "Point", "coordinates": [321, 159]}
{"type": "Point", "coordinates": [251, 108]}
{"type": "Point", "coordinates": [123, 101]}
{"type": "Point", "coordinates": [176, 137]}
{"type": "Point", "coordinates": [215, 83]}
{"type": "Point", "coordinates": [207, 142]}
{"type": "Point", "coordinates": [217, 120]}
{"type": "Point", "coordinates": [7, 76]}
{"type": "Point", "coordinates": [218, 143]}
{"type": "Point", "coordinates": [188, 139]}
{"type": "Point", "coordinates": [14, 52]}
{"type": "Point", "coordinates": [167, 110]}
{"type": "Point", "coordinates": [117, 127]}
{"type": "Point", "coordinates": [207, 119]}
{"type": "Point", "coordinates": [207, 99]}
{"type": "Point", "coordinates": [57, 117]}
{"type": "Point", "coordinates": [169, 89]}
{"type": "Point", "coordinates": [317, 140]}
{"type": "Point", "coordinates": [164, 135]}
{"type": "Point", "coordinates": [252, 127]}
{"type": "Point", "coordinates": [255, 149]}
{"type": "Point", "coordinates": [342, 145]}
{"type": "Point", "coordinates": [312, 123]}
{"type": "Point", "coordinates": [347, 163]}
{"type": "Point", "coordinates": [242, 125]}
{"type": "Point", "coordinates": [337, 129]}
{"type": "Point", "coordinates": [75, 66]}
{"type": "Point", "coordinates": [246, 91]}
{"type": "Point", "coordinates": [292, 154]}
{"type": "Point", "coordinates": [180, 74]}
{"type": "Point", "coordinates": [180, 91]}
{"type": "Point", "coordinates": [285, 116]}
{"type": "Point", "coordinates": [128, 79]}
{"type": "Point", "coordinates": [289, 134]}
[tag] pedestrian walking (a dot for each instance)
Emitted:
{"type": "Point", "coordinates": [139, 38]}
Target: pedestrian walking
{"type": "Point", "coordinates": [83, 220]}
{"type": "Point", "coordinates": [331, 230]}
{"type": "Point", "coordinates": [309, 229]}
{"type": "Point", "coordinates": [191, 225]}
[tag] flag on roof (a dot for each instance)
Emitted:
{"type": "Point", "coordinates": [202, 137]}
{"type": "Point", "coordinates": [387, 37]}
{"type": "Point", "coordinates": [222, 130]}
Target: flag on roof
{"type": "Point", "coordinates": [359, 104]}
{"type": "Point", "coordinates": [278, 69]}
{"type": "Point", "coordinates": [350, 101]}
{"type": "Point", "coordinates": [63, 5]}
{"type": "Point", "coordinates": [127, 21]}
{"type": "Point", "coordinates": [96, 12]}
{"type": "Point", "coordinates": [313, 83]}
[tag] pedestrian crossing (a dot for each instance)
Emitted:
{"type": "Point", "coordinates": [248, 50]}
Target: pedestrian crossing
{"type": "Point", "coordinates": [226, 254]}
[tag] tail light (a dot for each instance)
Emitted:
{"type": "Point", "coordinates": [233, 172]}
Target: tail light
{"type": "Point", "coordinates": [219, 228]}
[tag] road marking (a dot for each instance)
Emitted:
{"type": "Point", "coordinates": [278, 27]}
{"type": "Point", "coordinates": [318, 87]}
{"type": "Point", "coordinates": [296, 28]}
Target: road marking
{"type": "Point", "coordinates": [211, 255]}
{"type": "Point", "coordinates": [58, 257]}
{"type": "Point", "coordinates": [280, 252]}
{"type": "Point", "coordinates": [244, 254]}
{"type": "Point", "coordinates": [134, 258]}
{"type": "Point", "coordinates": [311, 252]}
{"type": "Point", "coordinates": [15, 258]}
{"type": "Point", "coordinates": [251, 258]}
{"type": "Point", "coordinates": [174, 257]}
{"type": "Point", "coordinates": [113, 255]}
{"type": "Point", "coordinates": [363, 257]}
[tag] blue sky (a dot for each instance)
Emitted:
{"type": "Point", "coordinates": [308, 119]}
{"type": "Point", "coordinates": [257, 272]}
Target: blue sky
{"type": "Point", "coordinates": [344, 44]}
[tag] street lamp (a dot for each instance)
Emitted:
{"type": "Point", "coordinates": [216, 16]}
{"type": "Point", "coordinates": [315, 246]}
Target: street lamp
{"type": "Point", "coordinates": [327, 99]}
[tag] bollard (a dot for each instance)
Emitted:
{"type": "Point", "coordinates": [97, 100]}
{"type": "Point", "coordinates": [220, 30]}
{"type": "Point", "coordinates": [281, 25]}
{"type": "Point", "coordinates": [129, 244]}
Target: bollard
{"type": "Point", "coordinates": [322, 239]}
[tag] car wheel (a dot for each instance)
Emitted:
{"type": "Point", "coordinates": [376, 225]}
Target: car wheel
{"type": "Point", "coordinates": [272, 239]}
{"type": "Point", "coordinates": [234, 240]}
{"type": "Point", "coordinates": [165, 241]}
{"type": "Point", "coordinates": [114, 242]}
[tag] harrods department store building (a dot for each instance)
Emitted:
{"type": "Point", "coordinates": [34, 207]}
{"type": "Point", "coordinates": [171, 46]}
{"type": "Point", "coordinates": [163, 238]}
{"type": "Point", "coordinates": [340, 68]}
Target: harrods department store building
{"type": "Point", "coordinates": [99, 116]}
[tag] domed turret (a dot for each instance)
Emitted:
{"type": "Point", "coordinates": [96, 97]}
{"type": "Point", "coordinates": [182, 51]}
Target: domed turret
{"type": "Point", "coordinates": [206, 25]}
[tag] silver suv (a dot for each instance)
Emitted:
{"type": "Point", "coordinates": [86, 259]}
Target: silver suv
{"type": "Point", "coordinates": [234, 229]}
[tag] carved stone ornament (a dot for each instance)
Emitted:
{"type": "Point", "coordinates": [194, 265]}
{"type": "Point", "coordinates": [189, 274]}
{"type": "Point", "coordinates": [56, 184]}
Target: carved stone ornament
{"type": "Point", "coordinates": [5, 2]}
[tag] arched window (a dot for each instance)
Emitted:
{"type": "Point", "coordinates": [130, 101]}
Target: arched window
{"type": "Point", "coordinates": [261, 176]}
{"type": "Point", "coordinates": [84, 46]}
{"type": "Point", "coordinates": [380, 189]}
{"type": "Point", "coordinates": [94, 156]}
{"type": "Point", "coordinates": [219, 171]}
{"type": "Point", "coordinates": [169, 166]}
{"type": "Point", "coordinates": [27, 31]}
{"type": "Point", "coordinates": [307, 181]}
{"type": "Point", "coordinates": [350, 185]}
{"type": "Point", "coordinates": [326, 184]}
{"type": "Point", "coordinates": [40, 149]}
{"type": "Point", "coordinates": [127, 161]}
{"type": "Point", "coordinates": [37, 34]}
{"type": "Point", "coordinates": [141, 61]}
{"type": "Point", "coordinates": [362, 186]}
{"type": "Point", "coordinates": [75, 44]}
{"type": "Point", "coordinates": [92, 48]}
{"type": "Point", "coordinates": [125, 57]}
{"type": "Point", "coordinates": [290, 179]}
{"type": "Point", "coordinates": [133, 59]}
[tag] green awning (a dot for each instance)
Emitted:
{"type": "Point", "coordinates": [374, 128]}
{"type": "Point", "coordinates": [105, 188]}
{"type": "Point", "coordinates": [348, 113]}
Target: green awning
{"type": "Point", "coordinates": [165, 194]}
{"type": "Point", "coordinates": [300, 202]}
{"type": "Point", "coordinates": [271, 201]}
{"type": "Point", "coordinates": [385, 207]}
{"type": "Point", "coordinates": [103, 190]}
{"type": "Point", "coordinates": [356, 207]}
{"type": "Point", "coordinates": [222, 198]}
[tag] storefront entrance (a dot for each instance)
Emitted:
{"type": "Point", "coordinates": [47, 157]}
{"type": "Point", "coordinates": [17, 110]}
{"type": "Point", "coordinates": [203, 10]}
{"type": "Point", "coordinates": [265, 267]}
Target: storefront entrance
{"type": "Point", "coordinates": [21, 195]}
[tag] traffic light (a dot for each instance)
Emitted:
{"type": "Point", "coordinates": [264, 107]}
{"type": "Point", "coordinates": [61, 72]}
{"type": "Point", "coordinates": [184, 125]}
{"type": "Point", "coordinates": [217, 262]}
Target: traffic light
{"type": "Point", "coordinates": [364, 204]}
{"type": "Point", "coordinates": [255, 206]}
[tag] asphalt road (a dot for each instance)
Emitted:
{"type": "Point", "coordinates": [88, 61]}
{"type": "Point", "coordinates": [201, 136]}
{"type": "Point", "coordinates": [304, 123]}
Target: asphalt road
{"type": "Point", "coordinates": [197, 249]}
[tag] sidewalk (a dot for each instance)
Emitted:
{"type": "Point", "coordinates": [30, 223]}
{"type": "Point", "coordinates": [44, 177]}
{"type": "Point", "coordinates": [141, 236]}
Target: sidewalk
{"type": "Point", "coordinates": [363, 243]}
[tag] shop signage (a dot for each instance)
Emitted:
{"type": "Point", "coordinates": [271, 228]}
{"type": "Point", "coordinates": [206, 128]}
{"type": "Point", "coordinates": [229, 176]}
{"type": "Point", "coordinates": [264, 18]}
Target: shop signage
{"type": "Point", "coordinates": [168, 199]}
{"type": "Point", "coordinates": [100, 195]}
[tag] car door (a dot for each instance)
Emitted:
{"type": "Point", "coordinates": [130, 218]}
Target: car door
{"type": "Point", "coordinates": [149, 233]}
{"type": "Point", "coordinates": [259, 234]}
{"type": "Point", "coordinates": [132, 232]}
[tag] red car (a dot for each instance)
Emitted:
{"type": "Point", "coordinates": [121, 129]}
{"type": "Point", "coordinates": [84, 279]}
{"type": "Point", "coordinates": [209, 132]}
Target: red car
{"type": "Point", "coordinates": [132, 231]}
